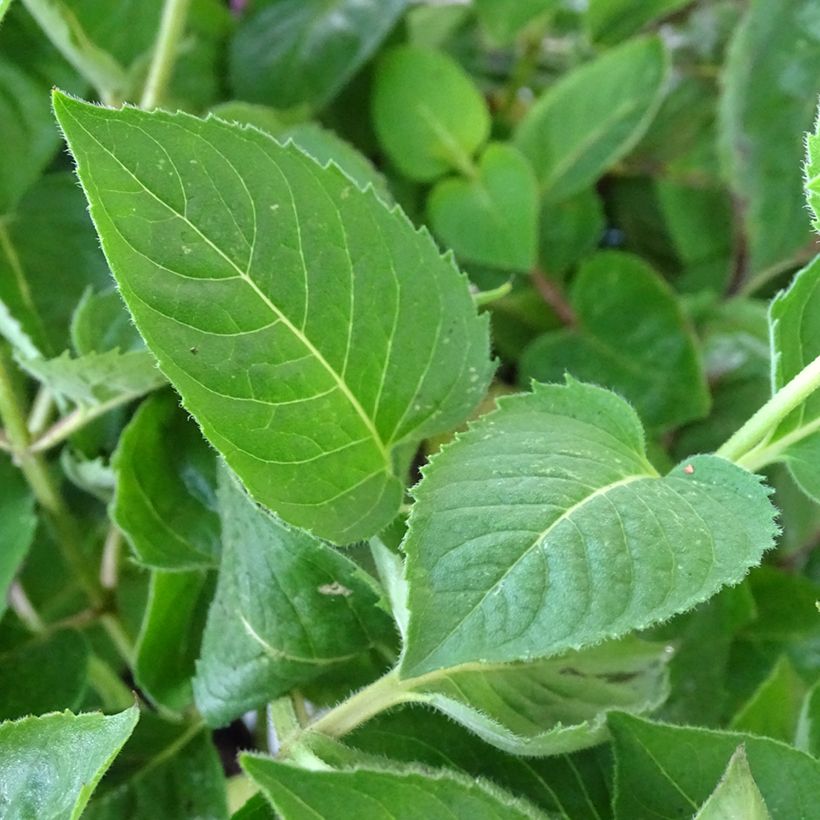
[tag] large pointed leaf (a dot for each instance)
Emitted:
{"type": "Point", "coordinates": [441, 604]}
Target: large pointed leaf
{"type": "Point", "coordinates": [308, 328]}
{"type": "Point", "coordinates": [287, 608]}
{"type": "Point", "coordinates": [381, 794]}
{"type": "Point", "coordinates": [545, 528]}
{"type": "Point", "coordinates": [50, 765]}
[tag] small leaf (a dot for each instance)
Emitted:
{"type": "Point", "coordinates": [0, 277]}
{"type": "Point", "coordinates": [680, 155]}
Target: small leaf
{"type": "Point", "coordinates": [18, 522]}
{"type": "Point", "coordinates": [380, 794]}
{"type": "Point", "coordinates": [165, 499]}
{"type": "Point", "coordinates": [632, 337]}
{"type": "Point", "coordinates": [503, 19]}
{"type": "Point", "coordinates": [291, 52]}
{"type": "Point", "coordinates": [610, 21]}
{"type": "Point", "coordinates": [310, 330]}
{"type": "Point", "coordinates": [271, 626]}
{"type": "Point", "coordinates": [429, 116]}
{"type": "Point", "coordinates": [812, 171]}
{"type": "Point", "coordinates": [165, 770]}
{"type": "Point", "coordinates": [97, 378]}
{"type": "Point", "coordinates": [545, 528]}
{"type": "Point", "coordinates": [101, 323]}
{"type": "Point", "coordinates": [737, 795]}
{"type": "Point", "coordinates": [761, 154]}
{"type": "Point", "coordinates": [592, 116]}
{"type": "Point", "coordinates": [50, 765]}
{"type": "Point", "coordinates": [670, 771]}
{"type": "Point", "coordinates": [171, 633]}
{"type": "Point", "coordinates": [490, 219]}
{"type": "Point", "coordinates": [553, 706]}
{"type": "Point", "coordinates": [569, 230]}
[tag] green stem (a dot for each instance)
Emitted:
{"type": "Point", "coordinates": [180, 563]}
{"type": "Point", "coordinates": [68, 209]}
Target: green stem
{"type": "Point", "coordinates": [174, 14]}
{"type": "Point", "coordinates": [765, 420]}
{"type": "Point", "coordinates": [763, 455]}
{"type": "Point", "coordinates": [114, 694]}
{"type": "Point", "coordinates": [40, 479]}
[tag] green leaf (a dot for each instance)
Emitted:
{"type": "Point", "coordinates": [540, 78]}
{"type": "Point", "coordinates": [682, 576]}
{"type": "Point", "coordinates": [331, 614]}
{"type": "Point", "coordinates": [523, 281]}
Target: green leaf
{"type": "Point", "coordinates": [48, 256]}
{"type": "Point", "coordinates": [18, 522]}
{"type": "Point", "coordinates": [670, 771]}
{"type": "Point", "coordinates": [171, 633]}
{"type": "Point", "coordinates": [50, 765]}
{"type": "Point", "coordinates": [794, 320]}
{"type": "Point", "coordinates": [165, 500]}
{"type": "Point", "coordinates": [503, 19]}
{"type": "Point", "coordinates": [737, 795]}
{"type": "Point", "coordinates": [772, 65]}
{"type": "Point", "coordinates": [808, 727]}
{"type": "Point", "coordinates": [632, 336]}
{"type": "Point", "coordinates": [380, 794]}
{"type": "Point", "coordinates": [774, 708]}
{"type": "Point", "coordinates": [292, 52]}
{"type": "Point", "coordinates": [429, 116]}
{"type": "Point", "coordinates": [165, 770]}
{"type": "Point", "coordinates": [569, 230]}
{"type": "Point", "coordinates": [101, 323]}
{"type": "Point", "coordinates": [610, 21]}
{"type": "Point", "coordinates": [97, 378]}
{"type": "Point", "coordinates": [539, 531]}
{"type": "Point", "coordinates": [43, 674]}
{"type": "Point", "coordinates": [490, 219]}
{"type": "Point", "coordinates": [287, 608]}
{"type": "Point", "coordinates": [812, 172]}
{"type": "Point", "coordinates": [272, 304]}
{"type": "Point", "coordinates": [593, 116]}
{"type": "Point", "coordinates": [552, 706]}
{"type": "Point", "coordinates": [4, 7]}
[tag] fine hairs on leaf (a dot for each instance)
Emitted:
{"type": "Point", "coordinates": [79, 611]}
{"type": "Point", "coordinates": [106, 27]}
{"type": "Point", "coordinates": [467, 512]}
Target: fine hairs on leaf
{"type": "Point", "coordinates": [409, 409]}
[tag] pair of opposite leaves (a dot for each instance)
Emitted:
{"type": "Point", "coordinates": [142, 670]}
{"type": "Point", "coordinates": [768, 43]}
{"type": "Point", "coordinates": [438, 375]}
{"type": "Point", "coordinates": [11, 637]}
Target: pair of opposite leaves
{"type": "Point", "coordinates": [317, 337]}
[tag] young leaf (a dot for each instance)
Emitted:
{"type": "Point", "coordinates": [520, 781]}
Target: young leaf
{"type": "Point", "coordinates": [670, 771]}
{"type": "Point", "coordinates": [545, 528]}
{"type": "Point", "coordinates": [794, 319]}
{"type": "Point", "coordinates": [287, 608]}
{"type": "Point", "coordinates": [737, 795]}
{"type": "Point", "coordinates": [490, 219]}
{"type": "Point", "coordinates": [165, 770]}
{"type": "Point", "coordinates": [503, 19]}
{"type": "Point", "coordinates": [43, 675]}
{"type": "Point", "coordinates": [632, 337]}
{"type": "Point", "coordinates": [291, 52]}
{"type": "Point", "coordinates": [165, 499]}
{"type": "Point", "coordinates": [608, 102]}
{"type": "Point", "coordinates": [168, 643]}
{"type": "Point", "coordinates": [381, 794]}
{"type": "Point", "coordinates": [17, 524]}
{"type": "Point", "coordinates": [50, 765]}
{"type": "Point", "coordinates": [552, 706]}
{"type": "Point", "coordinates": [309, 329]}
{"type": "Point", "coordinates": [429, 116]}
{"type": "Point", "coordinates": [812, 170]}
{"type": "Point", "coordinates": [761, 153]}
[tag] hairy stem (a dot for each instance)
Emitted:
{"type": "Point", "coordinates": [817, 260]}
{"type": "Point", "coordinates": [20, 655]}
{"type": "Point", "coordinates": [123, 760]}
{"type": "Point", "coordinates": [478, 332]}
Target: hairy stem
{"type": "Point", "coordinates": [40, 479]}
{"type": "Point", "coordinates": [757, 429]}
{"type": "Point", "coordinates": [172, 24]}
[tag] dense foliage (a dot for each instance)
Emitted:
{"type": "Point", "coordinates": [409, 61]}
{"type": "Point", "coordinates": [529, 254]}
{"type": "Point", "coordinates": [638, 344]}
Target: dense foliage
{"type": "Point", "coordinates": [413, 412]}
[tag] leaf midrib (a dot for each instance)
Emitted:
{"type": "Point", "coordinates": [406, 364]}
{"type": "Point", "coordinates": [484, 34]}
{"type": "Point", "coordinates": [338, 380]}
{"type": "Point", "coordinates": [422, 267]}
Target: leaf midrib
{"type": "Point", "coordinates": [244, 275]}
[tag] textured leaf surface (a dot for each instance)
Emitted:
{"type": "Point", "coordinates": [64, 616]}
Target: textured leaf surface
{"type": "Point", "coordinates": [50, 765]}
{"type": "Point", "coordinates": [429, 116]}
{"type": "Point", "coordinates": [17, 524]}
{"type": "Point", "coordinates": [552, 706]}
{"type": "Point", "coordinates": [545, 528]}
{"type": "Point", "coordinates": [812, 182]}
{"type": "Point", "coordinates": [165, 499]}
{"type": "Point", "coordinates": [670, 771]}
{"type": "Point", "coordinates": [165, 770]}
{"type": "Point", "coordinates": [632, 336]}
{"type": "Point", "coordinates": [794, 318]}
{"type": "Point", "coordinates": [492, 218]}
{"type": "Point", "coordinates": [737, 795]}
{"type": "Point", "coordinates": [297, 794]}
{"type": "Point", "coordinates": [292, 52]}
{"type": "Point", "coordinates": [592, 116]}
{"type": "Point", "coordinates": [309, 329]}
{"type": "Point", "coordinates": [287, 608]}
{"type": "Point", "coordinates": [171, 633]}
{"type": "Point", "coordinates": [772, 64]}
